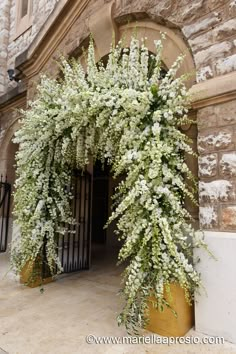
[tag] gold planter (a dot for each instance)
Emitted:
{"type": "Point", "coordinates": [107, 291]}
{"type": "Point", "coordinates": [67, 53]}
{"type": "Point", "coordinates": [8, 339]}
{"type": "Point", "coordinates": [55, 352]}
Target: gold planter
{"type": "Point", "coordinates": [31, 275]}
{"type": "Point", "coordinates": [165, 323]}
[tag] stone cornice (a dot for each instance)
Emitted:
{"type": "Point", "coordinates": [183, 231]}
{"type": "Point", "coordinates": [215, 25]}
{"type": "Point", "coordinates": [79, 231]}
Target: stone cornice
{"type": "Point", "coordinates": [18, 103]}
{"type": "Point", "coordinates": [214, 91]}
{"type": "Point", "coordinates": [13, 97]}
{"type": "Point", "coordinates": [55, 29]}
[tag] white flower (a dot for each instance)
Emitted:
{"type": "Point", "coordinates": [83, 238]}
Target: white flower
{"type": "Point", "coordinates": [156, 128]}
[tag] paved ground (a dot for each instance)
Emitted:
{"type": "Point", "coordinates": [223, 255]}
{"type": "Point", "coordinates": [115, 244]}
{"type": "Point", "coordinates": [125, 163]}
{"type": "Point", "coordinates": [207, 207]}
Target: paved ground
{"type": "Point", "coordinates": [58, 321]}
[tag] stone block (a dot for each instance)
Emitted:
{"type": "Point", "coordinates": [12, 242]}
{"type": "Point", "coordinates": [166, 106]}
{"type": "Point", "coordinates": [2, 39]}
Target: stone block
{"type": "Point", "coordinates": [225, 113]}
{"type": "Point", "coordinates": [226, 65]}
{"type": "Point", "coordinates": [203, 25]}
{"type": "Point", "coordinates": [215, 140]}
{"type": "Point", "coordinates": [156, 9]}
{"type": "Point", "coordinates": [225, 30]}
{"type": "Point", "coordinates": [228, 165]}
{"type": "Point", "coordinates": [192, 10]}
{"type": "Point", "coordinates": [219, 190]}
{"type": "Point", "coordinates": [208, 217]}
{"type": "Point", "coordinates": [206, 117]}
{"type": "Point", "coordinates": [205, 73]}
{"type": "Point", "coordinates": [232, 8]}
{"type": "Point", "coordinates": [228, 217]}
{"type": "Point", "coordinates": [207, 165]}
{"type": "Point", "coordinates": [201, 42]}
{"type": "Point", "coordinates": [216, 51]}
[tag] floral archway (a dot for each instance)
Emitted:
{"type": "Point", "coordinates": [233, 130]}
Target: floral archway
{"type": "Point", "coordinates": [127, 113]}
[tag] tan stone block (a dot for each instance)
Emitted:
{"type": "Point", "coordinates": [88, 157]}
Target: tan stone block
{"type": "Point", "coordinates": [225, 30]}
{"type": "Point", "coordinates": [207, 165]}
{"type": "Point", "coordinates": [218, 190]}
{"type": "Point", "coordinates": [208, 217]}
{"type": "Point", "coordinates": [228, 217]}
{"type": "Point", "coordinates": [226, 65]}
{"type": "Point", "coordinates": [193, 10]}
{"type": "Point", "coordinates": [226, 113]}
{"type": "Point", "coordinates": [213, 4]}
{"type": "Point", "coordinates": [215, 140]}
{"type": "Point", "coordinates": [228, 164]}
{"type": "Point", "coordinates": [202, 25]}
{"type": "Point", "coordinates": [216, 51]}
{"type": "Point", "coordinates": [202, 41]}
{"type": "Point", "coordinates": [205, 73]}
{"type": "Point", "coordinates": [232, 8]}
{"type": "Point", "coordinates": [206, 117]}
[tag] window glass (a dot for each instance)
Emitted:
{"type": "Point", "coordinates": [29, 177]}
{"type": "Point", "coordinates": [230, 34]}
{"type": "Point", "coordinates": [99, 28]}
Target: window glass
{"type": "Point", "coordinates": [24, 8]}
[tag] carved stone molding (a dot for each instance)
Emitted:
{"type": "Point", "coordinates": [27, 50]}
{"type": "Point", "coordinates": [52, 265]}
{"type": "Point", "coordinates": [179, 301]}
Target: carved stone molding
{"type": "Point", "coordinates": [34, 58]}
{"type": "Point", "coordinates": [174, 45]}
{"type": "Point", "coordinates": [103, 29]}
{"type": "Point", "coordinates": [214, 91]}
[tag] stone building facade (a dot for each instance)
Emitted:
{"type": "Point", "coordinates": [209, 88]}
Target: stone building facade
{"type": "Point", "coordinates": [33, 34]}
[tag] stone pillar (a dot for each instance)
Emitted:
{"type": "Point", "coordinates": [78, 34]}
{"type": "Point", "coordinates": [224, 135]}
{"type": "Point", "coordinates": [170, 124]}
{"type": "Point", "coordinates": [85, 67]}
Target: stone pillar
{"type": "Point", "coordinates": [4, 39]}
{"type": "Point", "coordinates": [215, 313]}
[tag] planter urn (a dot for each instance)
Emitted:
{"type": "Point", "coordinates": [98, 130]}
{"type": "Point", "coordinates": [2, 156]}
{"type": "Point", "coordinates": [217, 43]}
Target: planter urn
{"type": "Point", "coordinates": [165, 323]}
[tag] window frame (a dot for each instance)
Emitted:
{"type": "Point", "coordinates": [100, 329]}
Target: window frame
{"type": "Point", "coordinates": [25, 22]}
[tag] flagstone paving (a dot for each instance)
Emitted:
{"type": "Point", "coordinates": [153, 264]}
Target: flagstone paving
{"type": "Point", "coordinates": [58, 320]}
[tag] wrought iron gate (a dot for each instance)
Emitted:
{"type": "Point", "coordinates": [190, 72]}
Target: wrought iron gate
{"type": "Point", "coordinates": [5, 195]}
{"type": "Point", "coordinates": [74, 248]}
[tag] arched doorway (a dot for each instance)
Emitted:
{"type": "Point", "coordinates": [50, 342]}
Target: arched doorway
{"type": "Point", "coordinates": [101, 191]}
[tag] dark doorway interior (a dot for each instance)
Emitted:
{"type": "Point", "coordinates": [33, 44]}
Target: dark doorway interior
{"type": "Point", "coordinates": [105, 245]}
{"type": "Point", "coordinates": [100, 203]}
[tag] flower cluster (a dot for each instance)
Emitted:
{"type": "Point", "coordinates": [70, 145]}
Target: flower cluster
{"type": "Point", "coordinates": [130, 115]}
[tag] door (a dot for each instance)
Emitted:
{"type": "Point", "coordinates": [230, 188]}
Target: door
{"type": "Point", "coordinates": [5, 195]}
{"type": "Point", "coordinates": [74, 248]}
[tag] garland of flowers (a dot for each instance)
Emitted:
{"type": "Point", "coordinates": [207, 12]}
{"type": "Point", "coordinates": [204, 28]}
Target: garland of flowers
{"type": "Point", "coordinates": [129, 115]}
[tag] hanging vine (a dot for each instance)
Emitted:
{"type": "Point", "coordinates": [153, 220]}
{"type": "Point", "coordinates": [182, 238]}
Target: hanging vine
{"type": "Point", "coordinates": [129, 116]}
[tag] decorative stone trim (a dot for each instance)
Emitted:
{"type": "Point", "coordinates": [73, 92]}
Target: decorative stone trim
{"type": "Point", "coordinates": [32, 60]}
{"type": "Point", "coordinates": [217, 90]}
{"type": "Point", "coordinates": [107, 27]}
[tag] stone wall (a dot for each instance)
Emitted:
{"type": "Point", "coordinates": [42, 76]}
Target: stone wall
{"type": "Point", "coordinates": [217, 166]}
{"type": "Point", "coordinates": [208, 26]}
{"type": "Point", "coordinates": [10, 45]}
{"type": "Point", "coordinates": [4, 40]}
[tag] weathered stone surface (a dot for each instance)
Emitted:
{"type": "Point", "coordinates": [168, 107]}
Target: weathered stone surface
{"type": "Point", "coordinates": [202, 25]}
{"type": "Point", "coordinates": [207, 165]}
{"type": "Point", "coordinates": [208, 217]}
{"type": "Point", "coordinates": [228, 217]}
{"type": "Point", "coordinates": [216, 140]}
{"type": "Point", "coordinates": [214, 4]}
{"type": "Point", "coordinates": [219, 190]}
{"type": "Point", "coordinates": [228, 164]}
{"type": "Point", "coordinates": [193, 10]}
{"type": "Point", "coordinates": [201, 42]}
{"type": "Point", "coordinates": [225, 113]}
{"type": "Point", "coordinates": [232, 7]}
{"type": "Point", "coordinates": [214, 52]}
{"type": "Point", "coordinates": [225, 30]}
{"type": "Point", "coordinates": [226, 65]}
{"type": "Point", "coordinates": [124, 7]}
{"type": "Point", "coordinates": [206, 117]}
{"type": "Point", "coordinates": [161, 10]}
{"type": "Point", "coordinates": [204, 73]}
